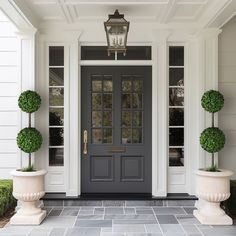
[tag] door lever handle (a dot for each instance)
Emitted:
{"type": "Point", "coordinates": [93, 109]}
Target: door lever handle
{"type": "Point", "coordinates": [85, 148]}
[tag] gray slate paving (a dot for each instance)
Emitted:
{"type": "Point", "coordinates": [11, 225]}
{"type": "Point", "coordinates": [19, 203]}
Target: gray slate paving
{"type": "Point", "coordinates": [119, 218]}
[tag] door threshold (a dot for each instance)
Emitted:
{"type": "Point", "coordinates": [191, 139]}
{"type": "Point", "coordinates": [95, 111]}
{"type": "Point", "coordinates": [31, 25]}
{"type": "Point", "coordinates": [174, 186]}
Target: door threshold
{"type": "Point", "coordinates": [118, 196]}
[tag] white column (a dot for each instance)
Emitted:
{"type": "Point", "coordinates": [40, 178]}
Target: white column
{"type": "Point", "coordinates": [159, 113]}
{"type": "Point", "coordinates": [26, 72]}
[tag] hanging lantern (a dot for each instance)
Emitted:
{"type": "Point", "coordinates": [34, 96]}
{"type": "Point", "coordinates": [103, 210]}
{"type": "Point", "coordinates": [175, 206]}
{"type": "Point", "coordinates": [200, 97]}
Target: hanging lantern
{"type": "Point", "coordinates": [116, 28]}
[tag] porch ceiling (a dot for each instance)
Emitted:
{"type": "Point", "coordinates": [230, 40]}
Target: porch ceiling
{"type": "Point", "coordinates": [204, 13]}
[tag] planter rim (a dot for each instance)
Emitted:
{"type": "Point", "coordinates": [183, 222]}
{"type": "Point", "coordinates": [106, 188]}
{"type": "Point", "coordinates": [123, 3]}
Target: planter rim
{"type": "Point", "coordinates": [222, 173]}
{"type": "Point", "coordinates": [25, 174]}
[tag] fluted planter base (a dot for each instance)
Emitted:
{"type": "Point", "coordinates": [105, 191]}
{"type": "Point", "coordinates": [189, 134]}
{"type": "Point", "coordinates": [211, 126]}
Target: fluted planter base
{"type": "Point", "coordinates": [212, 188]}
{"type": "Point", "coordinates": [28, 188]}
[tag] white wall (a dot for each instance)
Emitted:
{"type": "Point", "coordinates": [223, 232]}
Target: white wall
{"type": "Point", "coordinates": [9, 87]}
{"type": "Point", "coordinates": [227, 86]}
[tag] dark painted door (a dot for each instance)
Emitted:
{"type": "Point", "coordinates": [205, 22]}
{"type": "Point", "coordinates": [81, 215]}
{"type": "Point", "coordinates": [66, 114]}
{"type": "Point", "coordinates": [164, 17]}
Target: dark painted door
{"type": "Point", "coordinates": [116, 129]}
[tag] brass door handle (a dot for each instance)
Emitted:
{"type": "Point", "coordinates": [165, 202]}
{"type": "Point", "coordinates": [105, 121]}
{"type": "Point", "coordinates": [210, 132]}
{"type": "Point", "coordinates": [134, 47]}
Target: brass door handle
{"type": "Point", "coordinates": [85, 149]}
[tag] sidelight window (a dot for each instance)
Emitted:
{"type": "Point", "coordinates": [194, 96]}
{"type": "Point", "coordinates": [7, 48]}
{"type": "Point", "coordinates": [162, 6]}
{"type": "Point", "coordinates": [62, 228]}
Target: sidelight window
{"type": "Point", "coordinates": [56, 105]}
{"type": "Point", "coordinates": [176, 106]}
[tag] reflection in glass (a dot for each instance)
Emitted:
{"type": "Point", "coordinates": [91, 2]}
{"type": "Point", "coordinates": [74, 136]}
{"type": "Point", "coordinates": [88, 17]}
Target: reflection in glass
{"type": "Point", "coordinates": [176, 157]}
{"type": "Point", "coordinates": [107, 86]}
{"type": "Point", "coordinates": [56, 156]}
{"type": "Point", "coordinates": [137, 100]}
{"type": "Point", "coordinates": [56, 96]}
{"type": "Point", "coordinates": [137, 118]}
{"type": "Point", "coordinates": [56, 137]}
{"type": "Point", "coordinates": [176, 76]}
{"type": "Point", "coordinates": [97, 136]}
{"type": "Point", "coordinates": [107, 100]}
{"type": "Point", "coordinates": [96, 101]}
{"type": "Point", "coordinates": [107, 118]}
{"type": "Point", "coordinates": [176, 117]}
{"type": "Point", "coordinates": [126, 85]}
{"type": "Point", "coordinates": [56, 56]}
{"type": "Point", "coordinates": [137, 135]}
{"type": "Point", "coordinates": [96, 118]}
{"type": "Point", "coordinates": [126, 136]}
{"type": "Point", "coordinates": [138, 85]}
{"type": "Point", "coordinates": [56, 76]}
{"type": "Point", "coordinates": [176, 137]}
{"type": "Point", "coordinates": [176, 97]}
{"type": "Point", "coordinates": [107, 135]}
{"type": "Point", "coordinates": [126, 118]}
{"type": "Point", "coordinates": [126, 100]}
{"type": "Point", "coordinates": [56, 116]}
{"type": "Point", "coordinates": [96, 85]}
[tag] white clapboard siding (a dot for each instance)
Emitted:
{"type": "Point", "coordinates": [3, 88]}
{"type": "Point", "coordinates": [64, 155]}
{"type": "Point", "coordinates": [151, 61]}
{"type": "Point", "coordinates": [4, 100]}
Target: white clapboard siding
{"type": "Point", "coordinates": [9, 89]}
{"type": "Point", "coordinates": [227, 86]}
{"type": "Point", "coordinates": [8, 74]}
{"type": "Point", "coordinates": [8, 103]}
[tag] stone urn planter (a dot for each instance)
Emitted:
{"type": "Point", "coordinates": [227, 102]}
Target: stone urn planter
{"type": "Point", "coordinates": [212, 183]}
{"type": "Point", "coordinates": [28, 183]}
{"type": "Point", "coordinates": [28, 187]}
{"type": "Point", "coordinates": [212, 188]}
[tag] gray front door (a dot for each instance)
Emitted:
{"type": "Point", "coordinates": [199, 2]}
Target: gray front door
{"type": "Point", "coordinates": [116, 129]}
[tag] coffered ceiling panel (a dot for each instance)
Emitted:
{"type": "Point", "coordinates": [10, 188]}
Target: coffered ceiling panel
{"type": "Point", "coordinates": [156, 11]}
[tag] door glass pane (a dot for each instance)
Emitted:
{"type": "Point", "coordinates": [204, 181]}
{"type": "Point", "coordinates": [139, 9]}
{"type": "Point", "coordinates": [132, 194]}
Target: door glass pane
{"type": "Point", "coordinates": [56, 96]}
{"type": "Point", "coordinates": [107, 86]}
{"type": "Point", "coordinates": [56, 137]}
{"type": "Point", "coordinates": [96, 135]}
{"type": "Point", "coordinates": [176, 56]}
{"type": "Point", "coordinates": [176, 97]}
{"type": "Point", "coordinates": [56, 156]}
{"type": "Point", "coordinates": [137, 118]}
{"type": "Point", "coordinates": [107, 135]}
{"type": "Point", "coordinates": [137, 100]}
{"type": "Point", "coordinates": [176, 137]}
{"type": "Point", "coordinates": [176, 76]}
{"type": "Point", "coordinates": [56, 76]}
{"type": "Point", "coordinates": [96, 101]}
{"type": "Point", "coordinates": [96, 118]}
{"type": "Point", "coordinates": [138, 85]}
{"type": "Point", "coordinates": [96, 85]}
{"type": "Point", "coordinates": [126, 118]}
{"type": "Point", "coordinates": [176, 157]}
{"type": "Point", "coordinates": [56, 116]}
{"type": "Point", "coordinates": [126, 136]}
{"type": "Point", "coordinates": [176, 117]}
{"type": "Point", "coordinates": [126, 85]}
{"type": "Point", "coordinates": [107, 118]}
{"type": "Point", "coordinates": [137, 135]}
{"type": "Point", "coordinates": [126, 100]}
{"type": "Point", "coordinates": [107, 100]}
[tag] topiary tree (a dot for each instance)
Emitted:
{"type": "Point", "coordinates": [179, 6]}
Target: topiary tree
{"type": "Point", "coordinates": [29, 139]}
{"type": "Point", "coordinates": [212, 139]}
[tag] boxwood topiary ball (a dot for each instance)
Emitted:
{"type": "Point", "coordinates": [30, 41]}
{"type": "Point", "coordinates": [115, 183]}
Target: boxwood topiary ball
{"type": "Point", "coordinates": [29, 101]}
{"type": "Point", "coordinates": [29, 140]}
{"type": "Point", "coordinates": [212, 101]}
{"type": "Point", "coordinates": [212, 139]}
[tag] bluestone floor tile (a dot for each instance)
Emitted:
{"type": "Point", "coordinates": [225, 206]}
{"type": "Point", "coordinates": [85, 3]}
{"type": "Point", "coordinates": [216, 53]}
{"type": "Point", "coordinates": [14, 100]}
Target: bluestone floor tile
{"type": "Point", "coordinates": [69, 212]}
{"type": "Point", "coordinates": [189, 210]}
{"type": "Point", "coordinates": [190, 229]}
{"type": "Point", "coordinates": [58, 221]}
{"type": "Point", "coordinates": [40, 232]}
{"type": "Point", "coordinates": [108, 203]}
{"type": "Point", "coordinates": [167, 219]}
{"type": "Point", "coordinates": [129, 210]}
{"type": "Point", "coordinates": [55, 212]}
{"type": "Point", "coordinates": [91, 217]}
{"type": "Point", "coordinates": [129, 217]}
{"type": "Point", "coordinates": [129, 228]}
{"type": "Point", "coordinates": [83, 232]}
{"type": "Point", "coordinates": [122, 222]}
{"type": "Point", "coordinates": [112, 211]}
{"type": "Point", "coordinates": [93, 223]}
{"type": "Point", "coordinates": [57, 232]}
{"type": "Point", "coordinates": [155, 228]}
{"type": "Point", "coordinates": [169, 210]}
{"type": "Point", "coordinates": [99, 211]}
{"type": "Point", "coordinates": [171, 228]}
{"type": "Point", "coordinates": [187, 219]}
{"type": "Point", "coordinates": [140, 211]}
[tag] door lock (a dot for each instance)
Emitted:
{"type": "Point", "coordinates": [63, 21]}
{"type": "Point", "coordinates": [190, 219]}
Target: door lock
{"type": "Point", "coordinates": [85, 149]}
